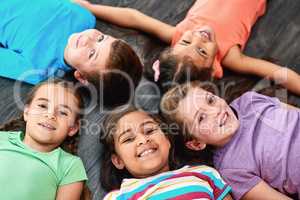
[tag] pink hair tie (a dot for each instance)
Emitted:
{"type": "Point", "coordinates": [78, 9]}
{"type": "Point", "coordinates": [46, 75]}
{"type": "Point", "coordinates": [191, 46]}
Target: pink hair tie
{"type": "Point", "coordinates": [156, 70]}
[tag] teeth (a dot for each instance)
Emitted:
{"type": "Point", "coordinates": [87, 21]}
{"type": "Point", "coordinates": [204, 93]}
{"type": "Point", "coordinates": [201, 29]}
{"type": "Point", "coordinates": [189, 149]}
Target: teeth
{"type": "Point", "coordinates": [145, 153]}
{"type": "Point", "coordinates": [205, 34]}
{"type": "Point", "coordinates": [48, 126]}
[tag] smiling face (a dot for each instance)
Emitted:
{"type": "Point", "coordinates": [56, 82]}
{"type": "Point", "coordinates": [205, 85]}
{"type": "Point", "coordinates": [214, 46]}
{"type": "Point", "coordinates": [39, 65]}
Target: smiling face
{"type": "Point", "coordinates": [88, 51]}
{"type": "Point", "coordinates": [199, 45]}
{"type": "Point", "coordinates": [50, 117]}
{"type": "Point", "coordinates": [140, 145]}
{"type": "Point", "coordinates": [207, 117]}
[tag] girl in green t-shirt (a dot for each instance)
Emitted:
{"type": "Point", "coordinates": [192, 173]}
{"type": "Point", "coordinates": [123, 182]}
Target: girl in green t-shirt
{"type": "Point", "coordinates": [51, 114]}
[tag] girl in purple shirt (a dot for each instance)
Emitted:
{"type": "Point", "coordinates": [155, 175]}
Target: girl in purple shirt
{"type": "Point", "coordinates": [255, 139]}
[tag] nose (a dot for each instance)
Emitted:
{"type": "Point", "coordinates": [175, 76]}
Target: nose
{"type": "Point", "coordinates": [84, 41]}
{"type": "Point", "coordinates": [143, 139]}
{"type": "Point", "coordinates": [50, 114]}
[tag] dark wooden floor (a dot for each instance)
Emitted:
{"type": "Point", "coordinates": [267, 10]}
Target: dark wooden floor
{"type": "Point", "coordinates": [275, 36]}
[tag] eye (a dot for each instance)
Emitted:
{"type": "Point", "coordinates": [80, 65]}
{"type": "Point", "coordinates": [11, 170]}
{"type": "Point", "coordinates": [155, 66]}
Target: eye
{"type": "Point", "coordinates": [92, 52]}
{"type": "Point", "coordinates": [100, 38]}
{"type": "Point", "coordinates": [42, 106]}
{"type": "Point", "coordinates": [185, 42]}
{"type": "Point", "coordinates": [202, 52]}
{"type": "Point", "coordinates": [127, 140]}
{"type": "Point", "coordinates": [150, 131]}
{"type": "Point", "coordinates": [211, 99]}
{"type": "Point", "coordinates": [63, 113]}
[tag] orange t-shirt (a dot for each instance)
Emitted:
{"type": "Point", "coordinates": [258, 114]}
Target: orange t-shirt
{"type": "Point", "coordinates": [231, 20]}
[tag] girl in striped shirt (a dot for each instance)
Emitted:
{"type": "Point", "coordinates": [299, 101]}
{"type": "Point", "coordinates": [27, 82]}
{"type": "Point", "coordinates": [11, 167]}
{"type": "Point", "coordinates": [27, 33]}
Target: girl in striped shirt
{"type": "Point", "coordinates": [139, 157]}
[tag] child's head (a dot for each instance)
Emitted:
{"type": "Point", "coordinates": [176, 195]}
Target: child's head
{"type": "Point", "coordinates": [199, 45]}
{"type": "Point", "coordinates": [135, 146]}
{"type": "Point", "coordinates": [96, 56]}
{"type": "Point", "coordinates": [51, 113]}
{"type": "Point", "coordinates": [191, 58]}
{"type": "Point", "coordinates": [204, 117]}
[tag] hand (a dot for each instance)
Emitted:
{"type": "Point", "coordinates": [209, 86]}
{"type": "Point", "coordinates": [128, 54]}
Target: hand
{"type": "Point", "coordinates": [83, 3]}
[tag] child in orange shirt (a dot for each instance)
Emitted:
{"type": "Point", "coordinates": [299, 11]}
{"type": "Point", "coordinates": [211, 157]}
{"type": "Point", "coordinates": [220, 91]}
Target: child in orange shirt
{"type": "Point", "coordinates": [212, 35]}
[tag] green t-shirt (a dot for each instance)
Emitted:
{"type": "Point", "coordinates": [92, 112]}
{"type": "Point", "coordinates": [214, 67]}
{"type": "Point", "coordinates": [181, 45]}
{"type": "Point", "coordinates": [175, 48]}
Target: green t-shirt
{"type": "Point", "coordinates": [26, 174]}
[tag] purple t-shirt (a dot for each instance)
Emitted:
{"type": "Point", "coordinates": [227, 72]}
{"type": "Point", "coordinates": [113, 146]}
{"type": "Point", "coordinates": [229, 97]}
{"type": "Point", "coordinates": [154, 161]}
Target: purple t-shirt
{"type": "Point", "coordinates": [265, 147]}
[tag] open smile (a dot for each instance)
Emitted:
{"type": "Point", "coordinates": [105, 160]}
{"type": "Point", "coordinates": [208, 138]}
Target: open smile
{"type": "Point", "coordinates": [47, 126]}
{"type": "Point", "coordinates": [223, 119]}
{"type": "Point", "coordinates": [77, 41]}
{"type": "Point", "coordinates": [147, 152]}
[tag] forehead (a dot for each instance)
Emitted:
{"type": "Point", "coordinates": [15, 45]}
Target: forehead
{"type": "Point", "coordinates": [134, 119]}
{"type": "Point", "coordinates": [56, 94]}
{"type": "Point", "coordinates": [194, 99]}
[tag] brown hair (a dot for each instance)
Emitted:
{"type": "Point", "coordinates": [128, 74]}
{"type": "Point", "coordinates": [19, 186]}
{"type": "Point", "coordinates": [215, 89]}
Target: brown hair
{"type": "Point", "coordinates": [18, 124]}
{"type": "Point", "coordinates": [174, 70]}
{"type": "Point", "coordinates": [116, 88]}
{"type": "Point", "coordinates": [110, 176]}
{"type": "Point", "coordinates": [171, 99]}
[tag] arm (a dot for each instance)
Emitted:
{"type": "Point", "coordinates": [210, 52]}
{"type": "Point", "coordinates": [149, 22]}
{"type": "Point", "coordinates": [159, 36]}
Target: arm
{"type": "Point", "coordinates": [70, 191]}
{"type": "Point", "coordinates": [262, 191]}
{"type": "Point", "coordinates": [241, 63]}
{"type": "Point", "coordinates": [130, 18]}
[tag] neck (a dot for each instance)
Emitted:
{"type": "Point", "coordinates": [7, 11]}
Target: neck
{"type": "Point", "coordinates": [37, 146]}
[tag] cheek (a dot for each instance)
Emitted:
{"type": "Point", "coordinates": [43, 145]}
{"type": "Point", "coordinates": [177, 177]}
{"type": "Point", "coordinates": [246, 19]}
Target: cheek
{"type": "Point", "coordinates": [207, 128]}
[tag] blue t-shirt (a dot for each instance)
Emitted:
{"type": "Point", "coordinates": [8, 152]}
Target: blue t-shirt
{"type": "Point", "coordinates": [33, 36]}
{"type": "Point", "coordinates": [265, 147]}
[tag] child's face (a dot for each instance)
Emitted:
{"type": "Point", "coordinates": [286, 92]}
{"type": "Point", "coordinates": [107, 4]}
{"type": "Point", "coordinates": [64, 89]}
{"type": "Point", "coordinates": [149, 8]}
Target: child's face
{"type": "Point", "coordinates": [207, 117]}
{"type": "Point", "coordinates": [141, 147]}
{"type": "Point", "coordinates": [50, 117]}
{"type": "Point", "coordinates": [88, 51]}
{"type": "Point", "coordinates": [200, 45]}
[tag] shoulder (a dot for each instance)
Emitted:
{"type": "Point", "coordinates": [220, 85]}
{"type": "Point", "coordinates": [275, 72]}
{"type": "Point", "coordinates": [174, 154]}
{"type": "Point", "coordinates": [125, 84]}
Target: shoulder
{"type": "Point", "coordinates": [252, 101]}
{"type": "Point", "coordinates": [112, 195]}
{"type": "Point", "coordinates": [71, 168]}
{"type": "Point", "coordinates": [8, 135]}
{"type": "Point", "coordinates": [68, 159]}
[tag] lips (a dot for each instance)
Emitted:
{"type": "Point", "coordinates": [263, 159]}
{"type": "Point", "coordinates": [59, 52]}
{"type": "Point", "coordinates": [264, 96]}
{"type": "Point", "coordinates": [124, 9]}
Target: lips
{"type": "Point", "coordinates": [77, 41]}
{"type": "Point", "coordinates": [47, 126]}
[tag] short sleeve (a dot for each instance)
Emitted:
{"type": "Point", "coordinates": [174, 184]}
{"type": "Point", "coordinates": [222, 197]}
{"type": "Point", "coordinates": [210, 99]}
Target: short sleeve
{"type": "Point", "coordinates": [74, 173]}
{"type": "Point", "coordinates": [252, 102]}
{"type": "Point", "coordinates": [240, 180]}
{"type": "Point", "coordinates": [216, 182]}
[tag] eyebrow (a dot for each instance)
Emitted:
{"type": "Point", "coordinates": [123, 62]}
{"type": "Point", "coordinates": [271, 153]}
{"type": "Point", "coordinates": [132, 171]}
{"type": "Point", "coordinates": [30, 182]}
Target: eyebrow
{"type": "Point", "coordinates": [62, 105]}
{"type": "Point", "coordinates": [97, 53]}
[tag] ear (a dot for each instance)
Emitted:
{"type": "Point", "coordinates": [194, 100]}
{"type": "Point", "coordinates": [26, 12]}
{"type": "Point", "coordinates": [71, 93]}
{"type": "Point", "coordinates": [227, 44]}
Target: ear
{"type": "Point", "coordinates": [117, 161]}
{"type": "Point", "coordinates": [73, 129]}
{"type": "Point", "coordinates": [80, 78]}
{"type": "Point", "coordinates": [25, 113]}
{"type": "Point", "coordinates": [195, 145]}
